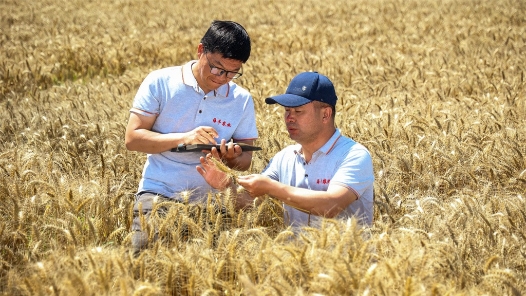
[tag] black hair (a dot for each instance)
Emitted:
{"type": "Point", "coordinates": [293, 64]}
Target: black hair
{"type": "Point", "coordinates": [229, 39]}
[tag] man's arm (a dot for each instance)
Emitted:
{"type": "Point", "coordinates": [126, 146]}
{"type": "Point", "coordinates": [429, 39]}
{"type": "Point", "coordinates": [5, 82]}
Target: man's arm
{"type": "Point", "coordinates": [140, 137]}
{"type": "Point", "coordinates": [321, 203]}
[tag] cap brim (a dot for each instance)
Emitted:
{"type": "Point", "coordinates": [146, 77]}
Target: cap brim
{"type": "Point", "coordinates": [287, 100]}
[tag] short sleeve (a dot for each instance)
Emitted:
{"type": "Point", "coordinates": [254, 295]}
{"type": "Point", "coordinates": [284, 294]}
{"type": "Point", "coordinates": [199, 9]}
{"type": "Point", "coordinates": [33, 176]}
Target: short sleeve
{"type": "Point", "coordinates": [146, 101]}
{"type": "Point", "coordinates": [272, 169]}
{"type": "Point", "coordinates": [355, 171]}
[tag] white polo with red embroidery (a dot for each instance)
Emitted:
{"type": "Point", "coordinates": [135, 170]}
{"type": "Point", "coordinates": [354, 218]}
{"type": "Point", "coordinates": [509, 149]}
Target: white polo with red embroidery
{"type": "Point", "coordinates": [340, 161]}
{"type": "Point", "coordinates": [173, 95]}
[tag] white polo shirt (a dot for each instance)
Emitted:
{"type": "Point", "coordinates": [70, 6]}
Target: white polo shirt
{"type": "Point", "coordinates": [173, 95]}
{"type": "Point", "coordinates": [340, 161]}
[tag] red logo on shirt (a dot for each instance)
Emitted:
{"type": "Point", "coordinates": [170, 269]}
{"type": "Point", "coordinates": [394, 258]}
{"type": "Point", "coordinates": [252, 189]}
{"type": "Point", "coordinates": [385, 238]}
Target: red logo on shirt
{"type": "Point", "coordinates": [221, 122]}
{"type": "Point", "coordinates": [323, 181]}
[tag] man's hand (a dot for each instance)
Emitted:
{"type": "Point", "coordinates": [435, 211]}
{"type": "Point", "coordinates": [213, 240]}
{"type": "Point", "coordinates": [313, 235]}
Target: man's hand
{"type": "Point", "coordinates": [233, 155]}
{"type": "Point", "coordinates": [212, 175]}
{"type": "Point", "coordinates": [229, 151]}
{"type": "Point", "coordinates": [201, 135]}
{"type": "Point", "coordinates": [256, 185]}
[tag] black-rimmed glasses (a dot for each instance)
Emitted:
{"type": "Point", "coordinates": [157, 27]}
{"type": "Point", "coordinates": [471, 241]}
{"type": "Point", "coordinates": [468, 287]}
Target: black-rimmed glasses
{"type": "Point", "coordinates": [219, 71]}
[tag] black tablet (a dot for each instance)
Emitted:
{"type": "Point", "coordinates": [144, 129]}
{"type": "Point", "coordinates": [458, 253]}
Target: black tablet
{"type": "Point", "coordinates": [200, 147]}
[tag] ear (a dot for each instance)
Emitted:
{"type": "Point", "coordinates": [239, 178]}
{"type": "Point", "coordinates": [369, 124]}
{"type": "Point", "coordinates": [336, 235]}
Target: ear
{"type": "Point", "coordinates": [327, 112]}
{"type": "Point", "coordinates": [200, 50]}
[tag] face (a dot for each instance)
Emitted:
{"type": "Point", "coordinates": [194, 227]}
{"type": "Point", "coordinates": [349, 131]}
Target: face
{"type": "Point", "coordinates": [202, 69]}
{"type": "Point", "coordinates": [304, 123]}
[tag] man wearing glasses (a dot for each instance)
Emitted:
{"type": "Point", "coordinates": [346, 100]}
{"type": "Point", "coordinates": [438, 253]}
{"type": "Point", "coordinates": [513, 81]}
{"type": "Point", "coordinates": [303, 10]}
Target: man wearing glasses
{"type": "Point", "coordinates": [196, 103]}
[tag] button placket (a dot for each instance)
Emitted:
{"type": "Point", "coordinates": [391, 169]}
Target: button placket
{"type": "Point", "coordinates": [201, 110]}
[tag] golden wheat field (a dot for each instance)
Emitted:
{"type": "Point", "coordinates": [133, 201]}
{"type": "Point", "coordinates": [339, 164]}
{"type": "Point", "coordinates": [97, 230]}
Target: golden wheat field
{"type": "Point", "coordinates": [436, 90]}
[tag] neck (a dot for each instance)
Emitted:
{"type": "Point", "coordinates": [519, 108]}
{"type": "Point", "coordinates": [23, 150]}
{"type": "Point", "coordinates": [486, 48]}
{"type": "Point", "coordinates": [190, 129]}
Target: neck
{"type": "Point", "coordinates": [308, 149]}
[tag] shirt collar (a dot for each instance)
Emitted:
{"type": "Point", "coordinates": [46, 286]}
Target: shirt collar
{"type": "Point", "coordinates": [327, 147]}
{"type": "Point", "coordinates": [189, 79]}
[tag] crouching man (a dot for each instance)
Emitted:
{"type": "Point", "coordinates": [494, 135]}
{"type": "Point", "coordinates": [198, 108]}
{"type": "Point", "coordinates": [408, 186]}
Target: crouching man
{"type": "Point", "coordinates": [325, 174]}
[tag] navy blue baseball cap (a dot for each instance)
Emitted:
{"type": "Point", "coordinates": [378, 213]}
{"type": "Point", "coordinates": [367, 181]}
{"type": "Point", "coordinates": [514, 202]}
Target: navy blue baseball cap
{"type": "Point", "coordinates": [305, 88]}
